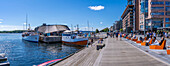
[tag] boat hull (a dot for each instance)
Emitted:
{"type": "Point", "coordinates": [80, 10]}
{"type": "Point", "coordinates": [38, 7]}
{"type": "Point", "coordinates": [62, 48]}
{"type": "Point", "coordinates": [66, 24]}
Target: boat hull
{"type": "Point", "coordinates": [76, 43]}
{"type": "Point", "coordinates": [33, 38]}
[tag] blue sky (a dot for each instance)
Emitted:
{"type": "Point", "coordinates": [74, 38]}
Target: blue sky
{"type": "Point", "coordinates": [99, 13]}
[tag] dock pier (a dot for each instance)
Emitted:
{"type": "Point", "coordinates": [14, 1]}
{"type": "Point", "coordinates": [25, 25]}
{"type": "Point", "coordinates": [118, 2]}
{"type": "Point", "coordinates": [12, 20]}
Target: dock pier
{"type": "Point", "coordinates": [115, 53]}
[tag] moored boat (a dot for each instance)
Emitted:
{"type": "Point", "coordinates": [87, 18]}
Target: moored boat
{"type": "Point", "coordinates": [2, 57]}
{"type": "Point", "coordinates": [73, 38]}
{"type": "Point", "coordinates": [5, 64]}
{"type": "Point", "coordinates": [30, 36]}
{"type": "Point", "coordinates": [3, 60]}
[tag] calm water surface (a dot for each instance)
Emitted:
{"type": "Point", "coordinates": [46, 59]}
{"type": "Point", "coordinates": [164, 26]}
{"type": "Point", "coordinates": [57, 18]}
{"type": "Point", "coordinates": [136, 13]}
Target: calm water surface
{"type": "Point", "coordinates": [23, 53]}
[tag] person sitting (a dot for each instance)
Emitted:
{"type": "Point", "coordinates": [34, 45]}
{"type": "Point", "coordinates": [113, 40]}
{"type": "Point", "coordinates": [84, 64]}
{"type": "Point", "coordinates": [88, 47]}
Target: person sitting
{"type": "Point", "coordinates": [158, 42]}
{"type": "Point", "coordinates": [149, 39]}
{"type": "Point", "coordinates": [134, 36]}
{"type": "Point", "coordinates": [141, 39]}
{"type": "Point", "coordinates": [100, 41]}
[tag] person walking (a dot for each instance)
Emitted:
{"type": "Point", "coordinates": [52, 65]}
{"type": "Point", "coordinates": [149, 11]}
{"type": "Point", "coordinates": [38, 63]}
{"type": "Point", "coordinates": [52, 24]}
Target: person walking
{"type": "Point", "coordinates": [113, 34]}
{"type": "Point", "coordinates": [154, 34]}
{"type": "Point", "coordinates": [117, 35]}
{"type": "Point", "coordinates": [120, 36]}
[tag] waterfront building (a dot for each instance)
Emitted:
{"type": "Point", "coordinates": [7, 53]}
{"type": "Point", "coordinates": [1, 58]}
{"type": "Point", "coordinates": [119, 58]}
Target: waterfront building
{"type": "Point", "coordinates": [130, 16]}
{"type": "Point", "coordinates": [51, 33]}
{"type": "Point", "coordinates": [157, 14]}
{"type": "Point", "coordinates": [118, 25]}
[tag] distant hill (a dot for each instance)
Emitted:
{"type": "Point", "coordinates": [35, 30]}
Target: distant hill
{"type": "Point", "coordinates": [14, 31]}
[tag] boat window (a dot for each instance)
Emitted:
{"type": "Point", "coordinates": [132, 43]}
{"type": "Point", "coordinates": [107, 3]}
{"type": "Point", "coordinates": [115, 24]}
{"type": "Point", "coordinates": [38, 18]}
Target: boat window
{"type": "Point", "coordinates": [66, 35]}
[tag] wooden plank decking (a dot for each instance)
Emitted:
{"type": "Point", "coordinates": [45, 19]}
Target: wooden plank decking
{"type": "Point", "coordinates": [116, 53]}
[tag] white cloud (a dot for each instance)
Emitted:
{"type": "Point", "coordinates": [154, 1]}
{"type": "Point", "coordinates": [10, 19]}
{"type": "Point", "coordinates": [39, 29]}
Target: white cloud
{"type": "Point", "coordinates": [24, 23]}
{"type": "Point", "coordinates": [0, 22]}
{"type": "Point", "coordinates": [101, 22]}
{"type": "Point", "coordinates": [96, 7]}
{"type": "Point", "coordinates": [1, 19]}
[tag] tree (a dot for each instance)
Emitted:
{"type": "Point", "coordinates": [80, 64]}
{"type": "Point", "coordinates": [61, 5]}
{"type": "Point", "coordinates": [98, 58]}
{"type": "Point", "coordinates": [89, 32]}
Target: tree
{"type": "Point", "coordinates": [106, 30]}
{"type": "Point", "coordinates": [97, 31]}
{"type": "Point", "coordinates": [121, 30]}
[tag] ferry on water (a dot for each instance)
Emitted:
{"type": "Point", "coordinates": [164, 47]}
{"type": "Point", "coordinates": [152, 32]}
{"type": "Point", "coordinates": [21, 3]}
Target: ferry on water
{"type": "Point", "coordinates": [30, 36]}
{"type": "Point", "coordinates": [74, 38]}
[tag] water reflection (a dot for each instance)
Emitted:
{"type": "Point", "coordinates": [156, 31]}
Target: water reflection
{"type": "Point", "coordinates": [46, 52]}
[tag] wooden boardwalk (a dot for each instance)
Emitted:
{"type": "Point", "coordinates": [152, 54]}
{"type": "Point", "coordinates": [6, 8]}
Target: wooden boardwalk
{"type": "Point", "coordinates": [116, 53]}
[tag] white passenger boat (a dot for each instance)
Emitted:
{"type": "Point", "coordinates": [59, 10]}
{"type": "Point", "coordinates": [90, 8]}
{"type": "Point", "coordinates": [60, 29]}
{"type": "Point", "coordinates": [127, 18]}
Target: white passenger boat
{"type": "Point", "coordinates": [71, 38]}
{"type": "Point", "coordinates": [30, 36]}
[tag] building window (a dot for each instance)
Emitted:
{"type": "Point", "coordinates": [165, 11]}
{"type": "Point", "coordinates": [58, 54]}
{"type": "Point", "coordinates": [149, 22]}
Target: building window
{"type": "Point", "coordinates": [167, 8]}
{"type": "Point", "coordinates": [158, 8]}
{"type": "Point", "coordinates": [157, 3]}
{"type": "Point", "coordinates": [157, 13]}
{"type": "Point", "coordinates": [168, 13]}
{"type": "Point", "coordinates": [144, 6]}
{"type": "Point", "coordinates": [167, 25]}
{"type": "Point", "coordinates": [167, 3]}
{"type": "Point", "coordinates": [167, 19]}
{"type": "Point", "coordinates": [141, 26]}
{"type": "Point", "coordinates": [157, 21]}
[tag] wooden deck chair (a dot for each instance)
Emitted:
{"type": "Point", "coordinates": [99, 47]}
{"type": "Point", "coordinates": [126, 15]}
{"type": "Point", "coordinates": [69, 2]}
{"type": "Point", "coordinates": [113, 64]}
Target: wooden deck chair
{"type": "Point", "coordinates": [145, 44]}
{"type": "Point", "coordinates": [159, 47]}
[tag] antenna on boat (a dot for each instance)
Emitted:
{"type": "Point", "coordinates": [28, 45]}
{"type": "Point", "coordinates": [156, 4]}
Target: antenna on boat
{"type": "Point", "coordinates": [29, 27]}
{"type": "Point", "coordinates": [26, 20]}
{"type": "Point", "coordinates": [77, 27]}
{"type": "Point", "coordinates": [71, 27]}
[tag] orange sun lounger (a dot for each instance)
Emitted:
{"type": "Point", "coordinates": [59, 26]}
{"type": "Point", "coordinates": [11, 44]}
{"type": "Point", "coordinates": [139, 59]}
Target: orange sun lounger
{"type": "Point", "coordinates": [168, 52]}
{"type": "Point", "coordinates": [144, 43]}
{"type": "Point", "coordinates": [138, 41]}
{"type": "Point", "coordinates": [158, 47]}
{"type": "Point", "coordinates": [127, 37]}
{"type": "Point", "coordinates": [135, 39]}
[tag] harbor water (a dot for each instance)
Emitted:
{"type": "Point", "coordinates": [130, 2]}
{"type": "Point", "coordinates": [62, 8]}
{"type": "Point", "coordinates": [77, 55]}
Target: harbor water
{"type": "Point", "coordinates": [24, 53]}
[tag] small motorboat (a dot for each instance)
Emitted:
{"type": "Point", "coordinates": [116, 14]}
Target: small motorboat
{"type": "Point", "coordinates": [5, 64]}
{"type": "Point", "coordinates": [3, 60]}
{"type": "Point", "coordinates": [74, 38]}
{"type": "Point", "coordinates": [2, 57]}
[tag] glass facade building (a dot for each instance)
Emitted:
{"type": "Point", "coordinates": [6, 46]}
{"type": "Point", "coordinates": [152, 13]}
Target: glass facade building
{"type": "Point", "coordinates": [157, 13]}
